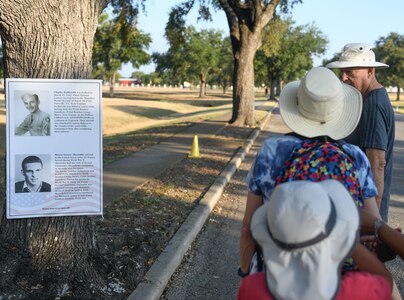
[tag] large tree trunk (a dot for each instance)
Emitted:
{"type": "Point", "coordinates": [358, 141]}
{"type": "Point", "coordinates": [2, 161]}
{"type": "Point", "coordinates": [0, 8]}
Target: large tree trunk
{"type": "Point", "coordinates": [43, 258]}
{"type": "Point", "coordinates": [398, 93]}
{"type": "Point", "coordinates": [243, 78]}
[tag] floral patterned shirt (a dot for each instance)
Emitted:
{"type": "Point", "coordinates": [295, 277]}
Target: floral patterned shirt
{"type": "Point", "coordinates": [271, 159]}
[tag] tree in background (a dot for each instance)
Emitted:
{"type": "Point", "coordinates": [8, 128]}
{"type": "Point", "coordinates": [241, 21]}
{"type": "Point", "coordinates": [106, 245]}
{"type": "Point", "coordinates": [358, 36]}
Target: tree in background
{"type": "Point", "coordinates": [390, 50]}
{"type": "Point", "coordinates": [223, 74]}
{"type": "Point", "coordinates": [152, 78]}
{"type": "Point", "coordinates": [170, 65]}
{"type": "Point", "coordinates": [289, 54]}
{"type": "Point", "coordinates": [112, 48]}
{"type": "Point", "coordinates": [267, 67]}
{"type": "Point", "coordinates": [193, 57]}
{"type": "Point", "coordinates": [55, 257]}
{"type": "Point", "coordinates": [246, 20]}
{"type": "Point", "coordinates": [139, 76]}
{"type": "Point", "coordinates": [202, 55]}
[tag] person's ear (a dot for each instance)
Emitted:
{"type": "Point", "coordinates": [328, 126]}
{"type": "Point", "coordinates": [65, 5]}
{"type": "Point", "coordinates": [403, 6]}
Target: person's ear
{"type": "Point", "coordinates": [371, 72]}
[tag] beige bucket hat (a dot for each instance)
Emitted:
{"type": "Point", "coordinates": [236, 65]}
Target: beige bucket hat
{"type": "Point", "coordinates": [357, 55]}
{"type": "Point", "coordinates": [306, 231]}
{"type": "Point", "coordinates": [320, 104]}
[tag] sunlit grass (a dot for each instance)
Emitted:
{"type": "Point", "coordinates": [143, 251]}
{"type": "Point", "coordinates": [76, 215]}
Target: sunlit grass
{"type": "Point", "coordinates": [398, 106]}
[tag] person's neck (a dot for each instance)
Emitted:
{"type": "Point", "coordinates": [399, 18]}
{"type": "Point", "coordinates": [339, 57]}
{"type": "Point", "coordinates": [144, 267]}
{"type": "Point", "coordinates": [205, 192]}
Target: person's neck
{"type": "Point", "coordinates": [34, 188]}
{"type": "Point", "coordinates": [373, 85]}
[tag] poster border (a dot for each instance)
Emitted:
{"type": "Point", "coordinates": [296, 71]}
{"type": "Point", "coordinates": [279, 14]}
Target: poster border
{"type": "Point", "coordinates": [8, 83]}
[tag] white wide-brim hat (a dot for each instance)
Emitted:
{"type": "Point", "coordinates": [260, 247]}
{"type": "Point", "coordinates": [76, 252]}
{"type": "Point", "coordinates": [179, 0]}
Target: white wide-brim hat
{"type": "Point", "coordinates": [320, 104]}
{"type": "Point", "coordinates": [357, 55]}
{"type": "Point", "coordinates": [306, 232]}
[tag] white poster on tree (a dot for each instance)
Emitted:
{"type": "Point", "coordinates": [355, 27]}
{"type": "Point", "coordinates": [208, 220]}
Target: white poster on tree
{"type": "Point", "coordinates": [54, 147]}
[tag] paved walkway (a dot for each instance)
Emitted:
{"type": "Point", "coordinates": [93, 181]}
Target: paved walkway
{"type": "Point", "coordinates": [127, 174]}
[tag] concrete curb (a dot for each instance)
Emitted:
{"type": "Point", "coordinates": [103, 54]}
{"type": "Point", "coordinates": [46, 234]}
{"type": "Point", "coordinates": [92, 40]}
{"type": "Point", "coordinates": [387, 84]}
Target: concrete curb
{"type": "Point", "coordinates": [156, 279]}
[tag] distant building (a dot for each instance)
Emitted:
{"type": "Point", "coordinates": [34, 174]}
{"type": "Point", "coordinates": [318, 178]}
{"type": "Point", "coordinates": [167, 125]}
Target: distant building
{"type": "Point", "coordinates": [129, 82]}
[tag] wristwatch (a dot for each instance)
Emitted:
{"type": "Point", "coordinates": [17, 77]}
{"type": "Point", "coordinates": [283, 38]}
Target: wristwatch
{"type": "Point", "coordinates": [241, 273]}
{"type": "Point", "coordinates": [377, 224]}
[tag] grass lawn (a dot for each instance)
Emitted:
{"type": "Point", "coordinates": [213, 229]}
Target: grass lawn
{"type": "Point", "coordinates": [398, 106]}
{"type": "Point", "coordinates": [136, 108]}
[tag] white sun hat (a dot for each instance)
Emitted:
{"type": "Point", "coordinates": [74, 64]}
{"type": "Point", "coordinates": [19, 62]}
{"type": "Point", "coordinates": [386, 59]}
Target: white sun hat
{"type": "Point", "coordinates": [357, 55]}
{"type": "Point", "coordinates": [306, 231]}
{"type": "Point", "coordinates": [320, 104]}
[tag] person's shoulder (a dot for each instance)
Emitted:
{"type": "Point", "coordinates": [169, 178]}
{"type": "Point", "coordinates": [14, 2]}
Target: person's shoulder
{"type": "Point", "coordinates": [286, 138]}
{"type": "Point", "coordinates": [18, 186]}
{"type": "Point", "coordinates": [356, 154]}
{"type": "Point", "coordinates": [46, 187]}
{"type": "Point", "coordinates": [377, 97]}
{"type": "Point", "coordinates": [19, 183]}
{"type": "Point", "coordinates": [279, 143]}
{"type": "Point", "coordinates": [381, 92]}
{"type": "Point", "coordinates": [353, 150]}
{"type": "Point", "coordinates": [43, 114]}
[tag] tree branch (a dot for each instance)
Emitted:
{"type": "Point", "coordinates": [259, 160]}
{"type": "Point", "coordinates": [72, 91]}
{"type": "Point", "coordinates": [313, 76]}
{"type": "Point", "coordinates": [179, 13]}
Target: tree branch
{"type": "Point", "coordinates": [268, 12]}
{"type": "Point", "coordinates": [232, 19]}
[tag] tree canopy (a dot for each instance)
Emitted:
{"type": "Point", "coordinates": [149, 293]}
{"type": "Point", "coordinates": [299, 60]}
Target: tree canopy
{"type": "Point", "coordinates": [287, 51]}
{"type": "Point", "coordinates": [114, 46]}
{"type": "Point", "coordinates": [223, 74]}
{"type": "Point", "coordinates": [192, 58]}
{"type": "Point", "coordinates": [390, 50]}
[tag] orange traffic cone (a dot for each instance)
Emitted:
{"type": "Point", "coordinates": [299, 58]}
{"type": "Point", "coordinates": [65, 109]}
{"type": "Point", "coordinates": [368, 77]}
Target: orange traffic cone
{"type": "Point", "coordinates": [195, 148]}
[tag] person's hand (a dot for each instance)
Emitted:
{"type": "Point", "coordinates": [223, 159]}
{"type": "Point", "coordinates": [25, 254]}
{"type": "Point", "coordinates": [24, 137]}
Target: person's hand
{"type": "Point", "coordinates": [370, 242]}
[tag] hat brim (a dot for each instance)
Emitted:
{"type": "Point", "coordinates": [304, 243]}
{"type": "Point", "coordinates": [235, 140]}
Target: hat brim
{"type": "Point", "coordinates": [338, 128]}
{"type": "Point", "coordinates": [312, 272]}
{"type": "Point", "coordinates": [350, 64]}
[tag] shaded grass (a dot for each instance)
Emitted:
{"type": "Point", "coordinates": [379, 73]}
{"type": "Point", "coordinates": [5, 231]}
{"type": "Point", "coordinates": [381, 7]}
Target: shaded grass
{"type": "Point", "coordinates": [122, 145]}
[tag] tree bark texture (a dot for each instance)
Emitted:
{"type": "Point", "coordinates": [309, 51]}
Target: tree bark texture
{"type": "Point", "coordinates": [243, 78]}
{"type": "Point", "coordinates": [57, 256]}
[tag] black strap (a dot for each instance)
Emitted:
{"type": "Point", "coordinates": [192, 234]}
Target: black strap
{"type": "Point", "coordinates": [322, 138]}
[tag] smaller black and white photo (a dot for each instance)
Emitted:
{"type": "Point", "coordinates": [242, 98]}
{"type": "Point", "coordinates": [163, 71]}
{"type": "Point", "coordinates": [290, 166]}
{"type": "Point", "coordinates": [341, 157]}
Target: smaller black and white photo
{"type": "Point", "coordinates": [31, 116]}
{"type": "Point", "coordinates": [32, 173]}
